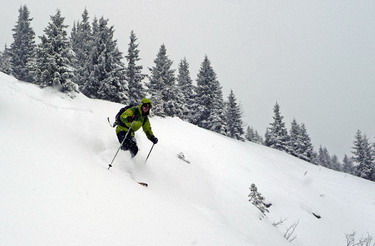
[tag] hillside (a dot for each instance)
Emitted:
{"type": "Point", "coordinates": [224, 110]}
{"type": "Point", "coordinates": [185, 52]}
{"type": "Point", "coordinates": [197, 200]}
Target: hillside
{"type": "Point", "coordinates": [56, 189]}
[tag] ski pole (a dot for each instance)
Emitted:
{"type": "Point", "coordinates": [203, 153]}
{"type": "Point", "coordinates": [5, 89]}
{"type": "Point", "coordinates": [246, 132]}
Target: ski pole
{"type": "Point", "coordinates": [109, 122]}
{"type": "Point", "coordinates": [110, 164]}
{"type": "Point", "coordinates": [149, 153]}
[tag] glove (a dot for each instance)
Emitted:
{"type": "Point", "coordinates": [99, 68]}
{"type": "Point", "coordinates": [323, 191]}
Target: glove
{"type": "Point", "coordinates": [153, 139]}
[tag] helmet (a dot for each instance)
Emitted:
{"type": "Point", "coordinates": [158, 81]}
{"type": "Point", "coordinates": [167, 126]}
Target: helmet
{"type": "Point", "coordinates": [147, 103]}
{"type": "Point", "coordinates": [146, 100]}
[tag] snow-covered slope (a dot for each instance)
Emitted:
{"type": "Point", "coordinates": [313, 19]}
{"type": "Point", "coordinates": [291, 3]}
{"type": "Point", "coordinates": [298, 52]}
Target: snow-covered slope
{"type": "Point", "coordinates": [55, 188]}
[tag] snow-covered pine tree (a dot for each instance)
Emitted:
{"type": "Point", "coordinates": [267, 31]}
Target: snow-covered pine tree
{"type": "Point", "coordinates": [324, 159]}
{"type": "Point", "coordinates": [91, 86]}
{"type": "Point", "coordinates": [233, 118]}
{"type": "Point", "coordinates": [53, 61]}
{"type": "Point", "coordinates": [253, 135]}
{"type": "Point", "coordinates": [295, 139]}
{"type": "Point", "coordinates": [1, 61]}
{"type": "Point", "coordinates": [5, 65]}
{"type": "Point", "coordinates": [362, 156]}
{"type": "Point", "coordinates": [348, 166]}
{"type": "Point", "coordinates": [216, 120]}
{"type": "Point", "coordinates": [258, 138]}
{"type": "Point", "coordinates": [209, 103]}
{"type": "Point", "coordinates": [134, 72]}
{"type": "Point", "coordinates": [187, 89]}
{"type": "Point", "coordinates": [162, 86]}
{"type": "Point", "coordinates": [23, 47]}
{"type": "Point", "coordinates": [357, 152]}
{"type": "Point", "coordinates": [335, 164]}
{"type": "Point", "coordinates": [107, 79]}
{"type": "Point", "coordinates": [250, 134]}
{"type": "Point", "coordinates": [299, 142]}
{"type": "Point", "coordinates": [267, 138]}
{"type": "Point", "coordinates": [82, 42]}
{"type": "Point", "coordinates": [366, 169]}
{"type": "Point", "coordinates": [277, 135]}
{"type": "Point", "coordinates": [308, 149]}
{"type": "Point", "coordinates": [315, 159]}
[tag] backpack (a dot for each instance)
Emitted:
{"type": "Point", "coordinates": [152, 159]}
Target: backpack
{"type": "Point", "coordinates": [117, 117]}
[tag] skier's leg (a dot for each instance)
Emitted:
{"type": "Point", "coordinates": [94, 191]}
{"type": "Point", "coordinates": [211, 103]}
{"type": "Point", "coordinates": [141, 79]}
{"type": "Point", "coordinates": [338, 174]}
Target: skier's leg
{"type": "Point", "coordinates": [132, 145]}
{"type": "Point", "coordinates": [129, 143]}
{"type": "Point", "coordinates": [120, 136]}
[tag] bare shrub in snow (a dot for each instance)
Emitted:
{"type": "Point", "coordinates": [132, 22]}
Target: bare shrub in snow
{"type": "Point", "coordinates": [257, 199]}
{"type": "Point", "coordinates": [363, 241]}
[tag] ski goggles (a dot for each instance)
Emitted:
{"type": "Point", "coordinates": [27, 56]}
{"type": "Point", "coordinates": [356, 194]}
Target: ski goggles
{"type": "Point", "coordinates": [147, 105]}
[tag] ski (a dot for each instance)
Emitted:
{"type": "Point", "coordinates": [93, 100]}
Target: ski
{"type": "Point", "coordinates": [143, 184]}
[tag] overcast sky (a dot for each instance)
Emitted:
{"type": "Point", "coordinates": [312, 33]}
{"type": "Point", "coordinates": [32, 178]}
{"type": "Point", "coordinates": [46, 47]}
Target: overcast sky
{"type": "Point", "coordinates": [316, 58]}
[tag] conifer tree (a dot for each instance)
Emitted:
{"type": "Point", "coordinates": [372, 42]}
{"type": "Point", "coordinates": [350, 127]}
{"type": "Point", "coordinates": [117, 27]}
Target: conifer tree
{"type": "Point", "coordinates": [107, 79]}
{"type": "Point", "coordinates": [324, 158]}
{"type": "Point", "coordinates": [308, 153]}
{"type": "Point", "coordinates": [209, 103]}
{"type": "Point", "coordinates": [253, 135]}
{"type": "Point", "coordinates": [299, 142]}
{"type": "Point", "coordinates": [348, 166]}
{"type": "Point", "coordinates": [82, 42]}
{"type": "Point", "coordinates": [335, 164]}
{"type": "Point", "coordinates": [134, 72]}
{"type": "Point", "coordinates": [187, 89]}
{"type": "Point", "coordinates": [315, 158]}
{"type": "Point", "coordinates": [362, 156]}
{"type": "Point", "coordinates": [1, 61]}
{"type": "Point", "coordinates": [250, 134]}
{"type": "Point", "coordinates": [233, 118]}
{"type": "Point", "coordinates": [295, 139]}
{"type": "Point", "coordinates": [52, 65]}
{"type": "Point", "coordinates": [23, 47]}
{"type": "Point", "coordinates": [162, 86]}
{"type": "Point", "coordinates": [277, 135]}
{"type": "Point", "coordinates": [358, 149]}
{"type": "Point", "coordinates": [267, 138]}
{"type": "Point", "coordinates": [5, 65]}
{"type": "Point", "coordinates": [216, 120]}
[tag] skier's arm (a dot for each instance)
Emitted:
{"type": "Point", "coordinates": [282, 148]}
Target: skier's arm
{"type": "Point", "coordinates": [127, 117]}
{"type": "Point", "coordinates": [147, 129]}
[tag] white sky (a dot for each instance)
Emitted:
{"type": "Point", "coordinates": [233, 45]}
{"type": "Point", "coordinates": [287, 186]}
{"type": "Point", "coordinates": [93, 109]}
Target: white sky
{"type": "Point", "coordinates": [314, 57]}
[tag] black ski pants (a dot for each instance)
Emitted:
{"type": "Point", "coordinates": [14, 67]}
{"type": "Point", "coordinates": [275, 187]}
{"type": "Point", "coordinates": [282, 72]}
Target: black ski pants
{"type": "Point", "coordinates": [129, 143]}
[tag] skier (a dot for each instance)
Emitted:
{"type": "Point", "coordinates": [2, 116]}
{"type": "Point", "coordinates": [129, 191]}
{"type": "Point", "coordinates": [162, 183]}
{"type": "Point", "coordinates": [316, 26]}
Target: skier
{"type": "Point", "coordinates": [135, 117]}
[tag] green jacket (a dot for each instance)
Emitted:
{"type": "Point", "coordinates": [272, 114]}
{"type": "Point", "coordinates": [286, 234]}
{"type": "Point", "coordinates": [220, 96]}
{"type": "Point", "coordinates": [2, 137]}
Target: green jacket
{"type": "Point", "coordinates": [139, 120]}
